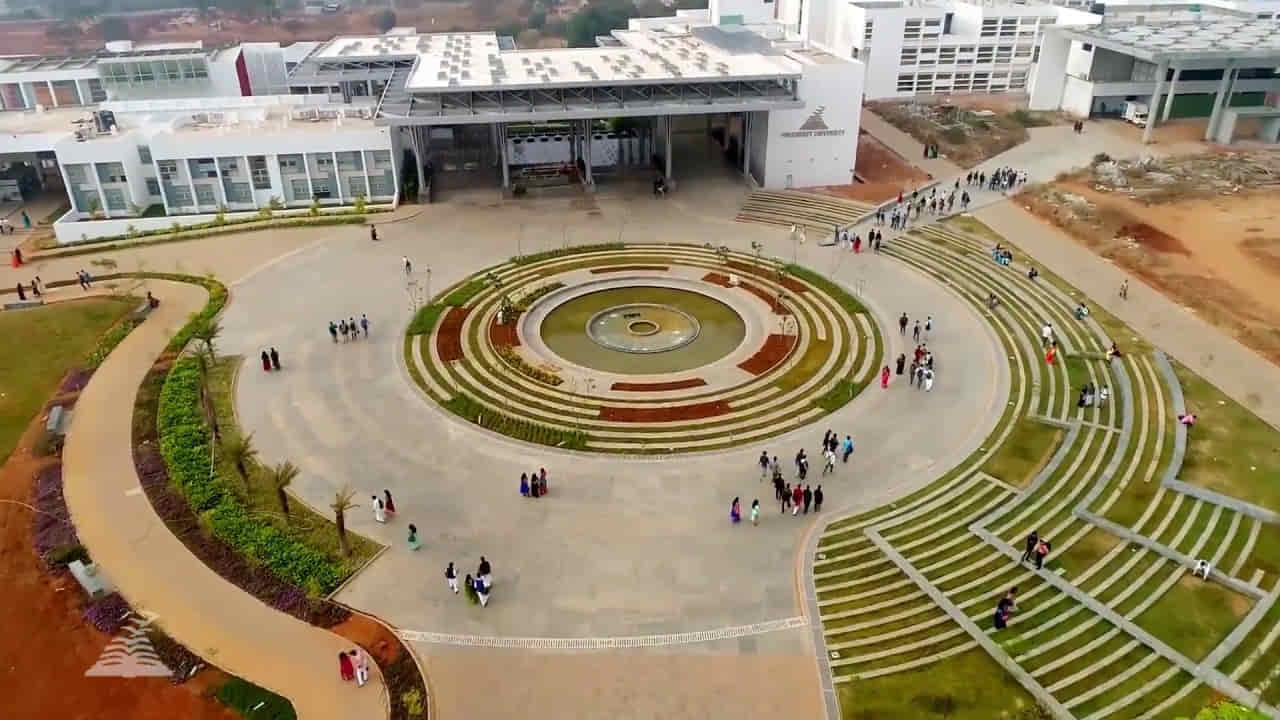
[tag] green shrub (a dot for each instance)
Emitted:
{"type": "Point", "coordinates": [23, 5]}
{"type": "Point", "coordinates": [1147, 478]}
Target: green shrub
{"type": "Point", "coordinates": [192, 232]}
{"type": "Point", "coordinates": [424, 321]}
{"type": "Point", "coordinates": [251, 701]}
{"type": "Point", "coordinates": [561, 252]}
{"type": "Point", "coordinates": [1029, 119]}
{"type": "Point", "coordinates": [463, 294]}
{"type": "Point", "coordinates": [847, 301]}
{"type": "Point", "coordinates": [185, 446]}
{"type": "Point", "coordinates": [527, 300]}
{"type": "Point", "coordinates": [67, 554]}
{"type": "Point", "coordinates": [512, 358]}
{"type": "Point", "coordinates": [109, 341]}
{"type": "Point", "coordinates": [467, 408]}
{"type": "Point", "coordinates": [412, 701]}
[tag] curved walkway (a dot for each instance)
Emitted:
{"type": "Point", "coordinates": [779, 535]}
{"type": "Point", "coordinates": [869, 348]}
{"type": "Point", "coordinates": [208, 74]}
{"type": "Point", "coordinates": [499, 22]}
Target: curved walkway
{"type": "Point", "coordinates": [153, 569]}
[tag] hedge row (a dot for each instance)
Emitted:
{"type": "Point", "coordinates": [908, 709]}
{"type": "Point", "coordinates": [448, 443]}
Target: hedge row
{"type": "Point", "coordinates": [465, 407]}
{"type": "Point", "coordinates": [517, 363]}
{"type": "Point", "coordinates": [185, 445]}
{"type": "Point", "coordinates": [424, 321]}
{"type": "Point", "coordinates": [527, 300]}
{"type": "Point", "coordinates": [561, 252]}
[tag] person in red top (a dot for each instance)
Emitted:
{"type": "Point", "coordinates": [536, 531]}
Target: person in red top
{"type": "Point", "coordinates": [797, 498]}
{"type": "Point", "coordinates": [345, 668]}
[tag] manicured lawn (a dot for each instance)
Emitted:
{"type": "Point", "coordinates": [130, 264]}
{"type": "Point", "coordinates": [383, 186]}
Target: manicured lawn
{"type": "Point", "coordinates": [1026, 450]}
{"type": "Point", "coordinates": [44, 343]}
{"type": "Point", "coordinates": [251, 701]}
{"type": "Point", "coordinates": [311, 528]}
{"type": "Point", "coordinates": [969, 686]}
{"type": "Point", "coordinates": [1194, 616]}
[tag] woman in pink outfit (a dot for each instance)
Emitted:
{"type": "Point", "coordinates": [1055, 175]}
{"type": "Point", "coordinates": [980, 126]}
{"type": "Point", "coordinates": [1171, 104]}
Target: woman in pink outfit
{"type": "Point", "coordinates": [884, 377]}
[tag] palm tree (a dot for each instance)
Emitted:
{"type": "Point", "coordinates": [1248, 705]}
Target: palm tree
{"type": "Point", "coordinates": [206, 332]}
{"type": "Point", "coordinates": [281, 477]}
{"type": "Point", "coordinates": [341, 504]}
{"type": "Point", "coordinates": [240, 450]}
{"type": "Point", "coordinates": [205, 361]}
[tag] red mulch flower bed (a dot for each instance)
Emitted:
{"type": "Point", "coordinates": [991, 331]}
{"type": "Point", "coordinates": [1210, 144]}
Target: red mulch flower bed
{"type": "Point", "coordinates": [765, 295]}
{"type": "Point", "coordinates": [502, 335]}
{"type": "Point", "coordinates": [716, 279]}
{"type": "Point", "coordinates": [625, 268]}
{"type": "Point", "coordinates": [788, 282]}
{"type": "Point", "coordinates": [658, 386]}
{"type": "Point", "coordinates": [664, 414]}
{"type": "Point", "coordinates": [449, 334]}
{"type": "Point", "coordinates": [775, 349]}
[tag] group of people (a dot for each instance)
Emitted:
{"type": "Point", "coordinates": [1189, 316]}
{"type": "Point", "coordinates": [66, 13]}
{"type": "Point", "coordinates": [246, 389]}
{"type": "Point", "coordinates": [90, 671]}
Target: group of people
{"type": "Point", "coordinates": [349, 329]}
{"type": "Point", "coordinates": [854, 241]}
{"type": "Point", "coordinates": [534, 484]}
{"type": "Point", "coordinates": [798, 498]}
{"type": "Point", "coordinates": [270, 360]}
{"type": "Point", "coordinates": [1001, 255]}
{"type": "Point", "coordinates": [6, 228]}
{"type": "Point", "coordinates": [1002, 179]}
{"type": "Point", "coordinates": [37, 286]}
{"type": "Point", "coordinates": [1091, 396]}
{"type": "Point", "coordinates": [1037, 548]}
{"type": "Point", "coordinates": [478, 586]}
{"type": "Point", "coordinates": [354, 665]}
{"type": "Point", "coordinates": [1006, 607]}
{"type": "Point", "coordinates": [37, 289]}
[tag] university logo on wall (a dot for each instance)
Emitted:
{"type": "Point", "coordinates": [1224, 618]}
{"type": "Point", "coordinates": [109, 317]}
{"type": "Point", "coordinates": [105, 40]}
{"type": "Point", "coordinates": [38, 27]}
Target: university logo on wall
{"type": "Point", "coordinates": [814, 126]}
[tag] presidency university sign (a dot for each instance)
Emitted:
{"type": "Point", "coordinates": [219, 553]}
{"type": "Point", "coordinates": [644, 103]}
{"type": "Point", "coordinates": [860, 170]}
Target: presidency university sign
{"type": "Point", "coordinates": [815, 126]}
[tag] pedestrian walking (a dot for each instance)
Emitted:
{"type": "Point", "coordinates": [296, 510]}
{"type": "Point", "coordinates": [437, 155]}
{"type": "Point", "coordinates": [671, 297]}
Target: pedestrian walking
{"type": "Point", "coordinates": [777, 487]}
{"type": "Point", "coordinates": [482, 591]}
{"type": "Point", "coordinates": [360, 660]}
{"type": "Point", "coordinates": [808, 499]}
{"type": "Point", "coordinates": [345, 669]}
{"type": "Point", "coordinates": [355, 332]}
{"type": "Point", "coordinates": [919, 377]}
{"type": "Point", "coordinates": [755, 511]}
{"type": "Point", "coordinates": [902, 360]}
{"type": "Point", "coordinates": [333, 330]}
{"type": "Point", "coordinates": [451, 577]}
{"type": "Point", "coordinates": [524, 484]}
{"type": "Point", "coordinates": [1042, 551]}
{"type": "Point", "coordinates": [764, 465]}
{"type": "Point", "coordinates": [928, 327]}
{"type": "Point", "coordinates": [1046, 334]}
{"type": "Point", "coordinates": [364, 324]}
{"type": "Point", "coordinates": [785, 499]}
{"type": "Point", "coordinates": [379, 510]}
{"type": "Point", "coordinates": [346, 332]}
{"type": "Point", "coordinates": [817, 499]}
{"type": "Point", "coordinates": [413, 537]}
{"type": "Point", "coordinates": [735, 512]}
{"type": "Point", "coordinates": [804, 468]}
{"type": "Point", "coordinates": [408, 266]}
{"type": "Point", "coordinates": [928, 380]}
{"type": "Point", "coordinates": [1001, 618]}
{"type": "Point", "coordinates": [884, 377]}
{"type": "Point", "coordinates": [484, 571]}
{"type": "Point", "coordinates": [902, 324]}
{"type": "Point", "coordinates": [915, 332]}
{"type": "Point", "coordinates": [848, 448]}
{"type": "Point", "coordinates": [542, 481]}
{"type": "Point", "coordinates": [1124, 289]}
{"type": "Point", "coordinates": [389, 505]}
{"type": "Point", "coordinates": [373, 233]}
{"type": "Point", "coordinates": [266, 362]}
{"type": "Point", "coordinates": [275, 359]}
{"type": "Point", "coordinates": [829, 461]}
{"type": "Point", "coordinates": [1030, 546]}
{"type": "Point", "coordinates": [22, 294]}
{"type": "Point", "coordinates": [797, 497]}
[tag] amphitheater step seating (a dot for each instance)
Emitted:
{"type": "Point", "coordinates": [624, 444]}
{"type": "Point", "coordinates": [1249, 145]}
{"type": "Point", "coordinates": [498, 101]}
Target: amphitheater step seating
{"type": "Point", "coordinates": [818, 214]}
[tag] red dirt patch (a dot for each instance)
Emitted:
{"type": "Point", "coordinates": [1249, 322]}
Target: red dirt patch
{"type": "Point", "coordinates": [776, 348]}
{"type": "Point", "coordinates": [716, 279]}
{"type": "Point", "coordinates": [503, 335]}
{"type": "Point", "coordinates": [658, 386]}
{"type": "Point", "coordinates": [449, 334]}
{"type": "Point", "coordinates": [1153, 238]}
{"type": "Point", "coordinates": [664, 414]}
{"type": "Point", "coordinates": [788, 282]}
{"type": "Point", "coordinates": [881, 174]}
{"type": "Point", "coordinates": [772, 300]}
{"type": "Point", "coordinates": [625, 268]}
{"type": "Point", "coordinates": [45, 655]}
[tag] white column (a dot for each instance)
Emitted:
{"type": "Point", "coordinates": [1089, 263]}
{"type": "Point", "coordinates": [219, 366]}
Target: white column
{"type": "Point", "coordinates": [82, 90]}
{"type": "Point", "coordinates": [248, 173]}
{"type": "Point", "coordinates": [746, 144]}
{"type": "Point", "coordinates": [1168, 101]}
{"type": "Point", "coordinates": [28, 94]}
{"type": "Point", "coordinates": [222, 189]}
{"type": "Point", "coordinates": [1218, 101]}
{"type": "Point", "coordinates": [586, 151]}
{"type": "Point", "coordinates": [66, 186]}
{"type": "Point", "coordinates": [306, 168]}
{"type": "Point", "coordinates": [97, 183]}
{"type": "Point", "coordinates": [53, 96]}
{"type": "Point", "coordinates": [368, 184]}
{"type": "Point", "coordinates": [337, 175]}
{"type": "Point", "coordinates": [502, 147]}
{"type": "Point", "coordinates": [191, 184]}
{"type": "Point", "coordinates": [164, 196]}
{"type": "Point", "coordinates": [668, 142]}
{"type": "Point", "coordinates": [1161, 70]}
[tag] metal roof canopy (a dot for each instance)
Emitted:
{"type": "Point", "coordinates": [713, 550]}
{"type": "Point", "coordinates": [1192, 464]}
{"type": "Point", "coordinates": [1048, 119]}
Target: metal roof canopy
{"type": "Point", "coordinates": [1186, 44]}
{"type": "Point", "coordinates": [583, 102]}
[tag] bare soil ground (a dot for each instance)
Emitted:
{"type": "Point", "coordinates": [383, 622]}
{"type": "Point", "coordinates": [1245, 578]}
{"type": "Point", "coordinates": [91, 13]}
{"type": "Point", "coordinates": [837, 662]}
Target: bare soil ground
{"type": "Point", "coordinates": [1217, 254]}
{"type": "Point", "coordinates": [882, 174]}
{"type": "Point", "coordinates": [47, 645]}
{"type": "Point", "coordinates": [967, 132]}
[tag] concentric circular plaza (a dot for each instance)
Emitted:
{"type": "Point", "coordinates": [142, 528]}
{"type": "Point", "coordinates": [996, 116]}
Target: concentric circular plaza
{"type": "Point", "coordinates": [643, 348]}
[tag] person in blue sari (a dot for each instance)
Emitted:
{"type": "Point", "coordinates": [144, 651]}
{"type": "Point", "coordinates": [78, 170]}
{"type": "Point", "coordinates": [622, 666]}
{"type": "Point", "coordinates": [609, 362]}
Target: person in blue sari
{"type": "Point", "coordinates": [735, 512]}
{"type": "Point", "coordinates": [524, 484]}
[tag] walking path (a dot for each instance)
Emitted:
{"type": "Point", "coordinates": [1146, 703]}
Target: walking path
{"type": "Point", "coordinates": [1241, 373]}
{"type": "Point", "coordinates": [157, 574]}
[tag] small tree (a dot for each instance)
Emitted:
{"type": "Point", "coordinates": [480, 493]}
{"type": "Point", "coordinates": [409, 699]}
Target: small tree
{"type": "Point", "coordinates": [206, 332]}
{"type": "Point", "coordinates": [240, 450]}
{"type": "Point", "coordinates": [205, 360]}
{"type": "Point", "coordinates": [342, 503]}
{"type": "Point", "coordinates": [384, 20]}
{"type": "Point", "coordinates": [281, 477]}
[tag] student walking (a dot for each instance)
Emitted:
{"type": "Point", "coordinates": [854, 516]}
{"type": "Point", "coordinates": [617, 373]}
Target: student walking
{"type": "Point", "coordinates": [379, 510]}
{"type": "Point", "coordinates": [389, 505]}
{"type": "Point", "coordinates": [275, 359]}
{"type": "Point", "coordinates": [817, 499]}
{"type": "Point", "coordinates": [808, 499]}
{"type": "Point", "coordinates": [829, 461]}
{"type": "Point", "coordinates": [333, 330]}
{"type": "Point", "coordinates": [848, 448]}
{"type": "Point", "coordinates": [360, 660]}
{"type": "Point", "coordinates": [364, 324]}
{"type": "Point", "coordinates": [901, 362]}
{"type": "Point", "coordinates": [928, 380]}
{"type": "Point", "coordinates": [1124, 289]}
{"type": "Point", "coordinates": [797, 497]}
{"type": "Point", "coordinates": [884, 377]}
{"type": "Point", "coordinates": [413, 538]}
{"type": "Point", "coordinates": [451, 577]}
{"type": "Point", "coordinates": [915, 332]}
{"type": "Point", "coordinates": [524, 484]}
{"type": "Point", "coordinates": [928, 327]}
{"type": "Point", "coordinates": [346, 332]}
{"type": "Point", "coordinates": [1030, 546]}
{"type": "Point", "coordinates": [345, 669]}
{"type": "Point", "coordinates": [735, 512]}
{"type": "Point", "coordinates": [482, 591]}
{"type": "Point", "coordinates": [266, 362]}
{"type": "Point", "coordinates": [764, 465]}
{"type": "Point", "coordinates": [1042, 551]}
{"type": "Point", "coordinates": [902, 324]}
{"type": "Point", "coordinates": [785, 500]}
{"type": "Point", "coordinates": [755, 511]}
{"type": "Point", "coordinates": [408, 266]}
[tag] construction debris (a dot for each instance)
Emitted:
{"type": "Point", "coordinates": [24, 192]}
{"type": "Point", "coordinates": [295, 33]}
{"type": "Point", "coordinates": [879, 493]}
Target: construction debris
{"type": "Point", "coordinates": [1165, 179]}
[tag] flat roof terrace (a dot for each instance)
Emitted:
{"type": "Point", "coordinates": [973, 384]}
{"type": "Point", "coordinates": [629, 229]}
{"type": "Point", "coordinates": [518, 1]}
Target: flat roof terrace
{"type": "Point", "coordinates": [1241, 40]}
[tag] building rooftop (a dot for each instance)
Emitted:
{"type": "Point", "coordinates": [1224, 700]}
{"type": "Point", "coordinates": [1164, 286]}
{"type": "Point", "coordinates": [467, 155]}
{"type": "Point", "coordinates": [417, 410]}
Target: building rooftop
{"type": "Point", "coordinates": [1236, 39]}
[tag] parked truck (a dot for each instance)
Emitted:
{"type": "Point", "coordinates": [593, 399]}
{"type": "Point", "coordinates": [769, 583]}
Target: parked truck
{"type": "Point", "coordinates": [1136, 113]}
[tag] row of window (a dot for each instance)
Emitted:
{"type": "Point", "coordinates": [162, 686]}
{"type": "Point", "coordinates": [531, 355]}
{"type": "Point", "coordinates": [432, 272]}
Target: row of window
{"type": "Point", "coordinates": [322, 187]}
{"type": "Point", "coordinates": [967, 54]}
{"type": "Point", "coordinates": [153, 70]}
{"type": "Point", "coordinates": [945, 82]}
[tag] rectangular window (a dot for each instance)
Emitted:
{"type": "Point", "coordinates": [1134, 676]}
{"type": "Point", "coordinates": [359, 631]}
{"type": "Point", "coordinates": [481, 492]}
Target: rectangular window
{"type": "Point", "coordinates": [168, 170]}
{"type": "Point", "coordinates": [867, 30]}
{"type": "Point", "coordinates": [928, 56]}
{"type": "Point", "coordinates": [144, 154]}
{"type": "Point", "coordinates": [258, 172]}
{"type": "Point", "coordinates": [290, 163]}
{"type": "Point", "coordinates": [906, 82]}
{"type": "Point", "coordinates": [301, 191]}
{"type": "Point", "coordinates": [203, 167]}
{"type": "Point", "coordinates": [179, 196]}
{"type": "Point", "coordinates": [239, 193]}
{"type": "Point", "coordinates": [382, 158]}
{"type": "Point", "coordinates": [908, 56]}
{"type": "Point", "coordinates": [204, 194]}
{"type": "Point", "coordinates": [111, 172]}
{"type": "Point", "coordinates": [379, 186]}
{"type": "Point", "coordinates": [321, 187]}
{"type": "Point", "coordinates": [153, 187]}
{"type": "Point", "coordinates": [947, 56]}
{"type": "Point", "coordinates": [350, 161]}
{"type": "Point", "coordinates": [911, 30]}
{"type": "Point", "coordinates": [171, 71]}
{"type": "Point", "coordinates": [355, 186]}
{"type": "Point", "coordinates": [115, 199]}
{"type": "Point", "coordinates": [96, 92]}
{"type": "Point", "coordinates": [323, 160]}
{"type": "Point", "coordinates": [75, 174]}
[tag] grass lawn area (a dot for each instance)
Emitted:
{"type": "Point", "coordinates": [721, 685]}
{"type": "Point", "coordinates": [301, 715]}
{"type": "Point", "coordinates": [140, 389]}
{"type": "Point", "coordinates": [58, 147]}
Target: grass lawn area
{"type": "Point", "coordinates": [250, 701]}
{"type": "Point", "coordinates": [969, 686]}
{"type": "Point", "coordinates": [313, 529]}
{"type": "Point", "coordinates": [46, 342]}
{"type": "Point", "coordinates": [1026, 450]}
{"type": "Point", "coordinates": [1194, 616]}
